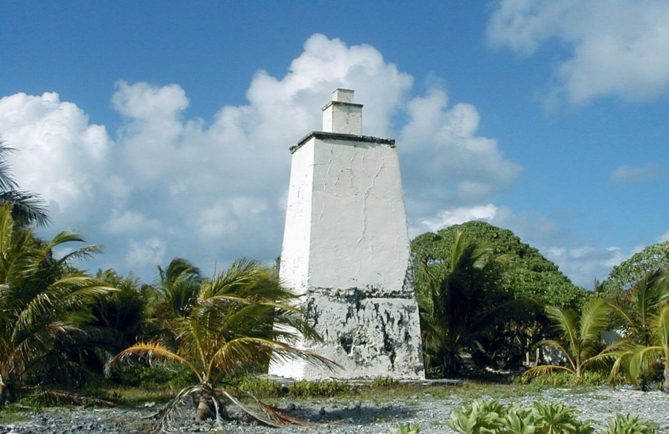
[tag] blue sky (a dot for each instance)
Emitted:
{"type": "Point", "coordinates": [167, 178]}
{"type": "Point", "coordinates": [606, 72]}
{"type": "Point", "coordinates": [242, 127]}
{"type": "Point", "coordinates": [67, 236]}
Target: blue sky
{"type": "Point", "coordinates": [160, 129]}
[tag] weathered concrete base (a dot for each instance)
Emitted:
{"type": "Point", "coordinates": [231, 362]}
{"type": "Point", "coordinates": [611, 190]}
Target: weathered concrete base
{"type": "Point", "coordinates": [368, 336]}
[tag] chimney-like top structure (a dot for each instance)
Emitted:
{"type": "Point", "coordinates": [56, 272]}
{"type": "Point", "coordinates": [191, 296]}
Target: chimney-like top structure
{"type": "Point", "coordinates": [341, 115]}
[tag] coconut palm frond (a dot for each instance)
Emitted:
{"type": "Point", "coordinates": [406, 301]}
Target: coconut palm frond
{"type": "Point", "coordinates": [539, 370]}
{"type": "Point", "coordinates": [594, 320]}
{"type": "Point", "coordinates": [81, 253]}
{"type": "Point", "coordinates": [566, 321]}
{"type": "Point", "coordinates": [150, 350]}
{"type": "Point", "coordinates": [642, 358]}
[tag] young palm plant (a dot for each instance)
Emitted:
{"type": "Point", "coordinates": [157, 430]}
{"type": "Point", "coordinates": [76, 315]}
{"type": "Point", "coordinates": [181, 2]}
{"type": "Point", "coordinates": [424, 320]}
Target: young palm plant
{"type": "Point", "coordinates": [42, 299]}
{"type": "Point", "coordinates": [240, 319]}
{"type": "Point", "coordinates": [645, 343]}
{"type": "Point", "coordinates": [460, 312]}
{"type": "Point", "coordinates": [581, 342]}
{"type": "Point", "coordinates": [637, 360]}
{"type": "Point", "coordinates": [449, 308]}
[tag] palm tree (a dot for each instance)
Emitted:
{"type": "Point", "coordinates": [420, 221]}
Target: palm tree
{"type": "Point", "coordinates": [238, 321]}
{"type": "Point", "coordinates": [460, 311]}
{"type": "Point", "coordinates": [645, 314]}
{"type": "Point", "coordinates": [27, 208]}
{"type": "Point", "coordinates": [638, 360]}
{"type": "Point", "coordinates": [581, 341]}
{"type": "Point", "coordinates": [178, 285]}
{"type": "Point", "coordinates": [42, 299]}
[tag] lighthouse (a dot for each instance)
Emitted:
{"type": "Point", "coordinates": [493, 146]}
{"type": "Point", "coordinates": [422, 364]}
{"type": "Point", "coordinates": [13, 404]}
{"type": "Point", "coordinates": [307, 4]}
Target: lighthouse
{"type": "Point", "coordinates": [346, 251]}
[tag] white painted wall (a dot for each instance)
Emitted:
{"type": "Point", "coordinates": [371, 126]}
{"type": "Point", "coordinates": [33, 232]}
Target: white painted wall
{"type": "Point", "coordinates": [294, 263]}
{"type": "Point", "coordinates": [358, 225]}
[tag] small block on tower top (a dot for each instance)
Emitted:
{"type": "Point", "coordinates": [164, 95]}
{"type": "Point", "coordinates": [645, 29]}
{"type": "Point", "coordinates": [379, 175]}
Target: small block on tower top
{"type": "Point", "coordinates": [343, 95]}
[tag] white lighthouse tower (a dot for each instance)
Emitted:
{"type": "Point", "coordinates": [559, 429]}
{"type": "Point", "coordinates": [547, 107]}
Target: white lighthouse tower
{"type": "Point", "coordinates": [346, 251]}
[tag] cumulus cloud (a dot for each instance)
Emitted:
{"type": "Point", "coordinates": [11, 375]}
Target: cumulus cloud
{"type": "Point", "coordinates": [613, 47]}
{"type": "Point", "coordinates": [58, 153]}
{"type": "Point", "coordinates": [172, 185]}
{"type": "Point", "coordinates": [445, 160]}
{"type": "Point", "coordinates": [627, 174]}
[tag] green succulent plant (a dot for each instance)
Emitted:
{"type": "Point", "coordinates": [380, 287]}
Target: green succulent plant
{"type": "Point", "coordinates": [628, 424]}
{"type": "Point", "coordinates": [479, 417]}
{"type": "Point", "coordinates": [518, 421]}
{"type": "Point", "coordinates": [555, 418]}
{"type": "Point", "coordinates": [406, 428]}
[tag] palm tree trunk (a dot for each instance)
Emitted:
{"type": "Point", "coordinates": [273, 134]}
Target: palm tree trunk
{"type": "Point", "coordinates": [665, 385]}
{"type": "Point", "coordinates": [205, 407]}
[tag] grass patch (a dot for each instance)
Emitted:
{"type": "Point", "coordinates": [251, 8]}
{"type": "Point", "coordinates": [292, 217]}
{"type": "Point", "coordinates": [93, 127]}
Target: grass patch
{"type": "Point", "coordinates": [12, 413]}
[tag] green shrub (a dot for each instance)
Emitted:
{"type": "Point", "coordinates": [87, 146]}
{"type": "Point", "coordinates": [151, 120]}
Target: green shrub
{"type": "Point", "coordinates": [629, 424]}
{"type": "Point", "coordinates": [383, 383]}
{"type": "Point", "coordinates": [328, 388]}
{"type": "Point", "coordinates": [406, 428]}
{"type": "Point", "coordinates": [561, 379]}
{"type": "Point", "coordinates": [259, 387]}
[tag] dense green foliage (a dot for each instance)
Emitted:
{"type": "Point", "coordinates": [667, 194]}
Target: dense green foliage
{"type": "Point", "coordinates": [482, 292]}
{"type": "Point", "coordinates": [626, 274]}
{"type": "Point", "coordinates": [522, 270]}
{"type": "Point", "coordinates": [463, 310]}
{"type": "Point", "coordinates": [643, 353]}
{"type": "Point", "coordinates": [45, 304]}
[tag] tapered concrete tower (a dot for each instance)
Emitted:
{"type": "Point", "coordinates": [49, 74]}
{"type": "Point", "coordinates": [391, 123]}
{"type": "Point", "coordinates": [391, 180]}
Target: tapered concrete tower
{"type": "Point", "coordinates": [346, 251]}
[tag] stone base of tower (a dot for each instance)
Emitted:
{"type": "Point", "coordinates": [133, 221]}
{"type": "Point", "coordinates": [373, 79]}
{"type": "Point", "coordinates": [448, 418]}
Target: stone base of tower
{"type": "Point", "coordinates": [369, 333]}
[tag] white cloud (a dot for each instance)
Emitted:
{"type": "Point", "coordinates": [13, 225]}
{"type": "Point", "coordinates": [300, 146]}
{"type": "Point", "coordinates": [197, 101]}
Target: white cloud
{"type": "Point", "coordinates": [444, 160]}
{"type": "Point", "coordinates": [149, 253]}
{"type": "Point", "coordinates": [586, 263]}
{"type": "Point", "coordinates": [58, 154]}
{"type": "Point", "coordinates": [626, 174]}
{"type": "Point", "coordinates": [614, 47]}
{"type": "Point", "coordinates": [456, 216]}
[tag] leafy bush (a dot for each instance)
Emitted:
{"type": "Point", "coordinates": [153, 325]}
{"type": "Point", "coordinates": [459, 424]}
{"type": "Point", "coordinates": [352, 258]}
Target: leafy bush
{"type": "Point", "coordinates": [629, 424]}
{"type": "Point", "coordinates": [560, 379]}
{"type": "Point", "coordinates": [305, 389]}
{"type": "Point", "coordinates": [384, 382]}
{"type": "Point", "coordinates": [406, 428]}
{"type": "Point", "coordinates": [259, 387]}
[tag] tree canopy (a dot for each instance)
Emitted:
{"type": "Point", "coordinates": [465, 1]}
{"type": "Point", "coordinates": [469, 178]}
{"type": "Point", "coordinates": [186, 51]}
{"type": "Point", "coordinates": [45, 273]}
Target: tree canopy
{"type": "Point", "coordinates": [522, 271]}
{"type": "Point", "coordinates": [625, 275]}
